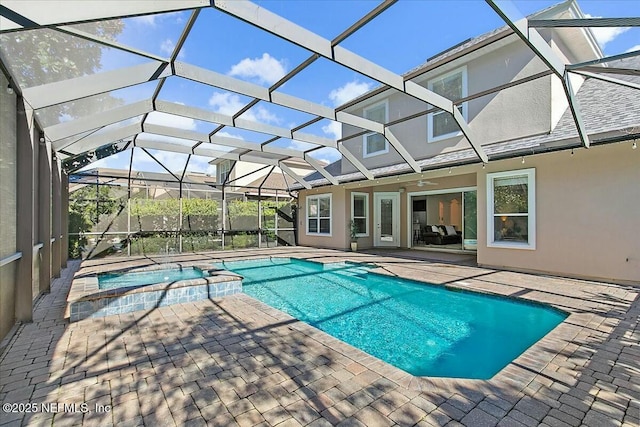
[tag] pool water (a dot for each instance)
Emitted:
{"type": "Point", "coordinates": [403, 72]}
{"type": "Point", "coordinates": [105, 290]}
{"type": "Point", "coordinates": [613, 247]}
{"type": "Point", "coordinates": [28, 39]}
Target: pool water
{"type": "Point", "coordinates": [424, 329]}
{"type": "Point", "coordinates": [140, 278]}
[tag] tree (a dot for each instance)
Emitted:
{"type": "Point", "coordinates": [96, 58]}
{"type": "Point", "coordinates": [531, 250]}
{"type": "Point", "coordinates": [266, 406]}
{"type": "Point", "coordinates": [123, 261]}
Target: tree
{"type": "Point", "coordinates": [43, 55]}
{"type": "Point", "coordinates": [86, 206]}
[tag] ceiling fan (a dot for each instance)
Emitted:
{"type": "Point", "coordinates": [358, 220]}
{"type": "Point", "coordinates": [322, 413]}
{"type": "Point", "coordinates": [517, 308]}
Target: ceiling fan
{"type": "Point", "coordinates": [423, 182]}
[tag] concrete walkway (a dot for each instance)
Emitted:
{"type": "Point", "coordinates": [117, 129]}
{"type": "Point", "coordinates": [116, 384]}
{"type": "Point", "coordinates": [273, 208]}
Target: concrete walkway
{"type": "Point", "coordinates": [236, 361]}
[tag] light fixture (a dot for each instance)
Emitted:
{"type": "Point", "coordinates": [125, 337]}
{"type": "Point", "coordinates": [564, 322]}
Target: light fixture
{"type": "Point", "coordinates": [10, 90]}
{"type": "Point", "coordinates": [523, 160]}
{"type": "Point", "coordinates": [634, 145]}
{"type": "Point", "coordinates": [483, 165]}
{"type": "Point", "coordinates": [449, 170]}
{"type": "Point", "coordinates": [572, 152]}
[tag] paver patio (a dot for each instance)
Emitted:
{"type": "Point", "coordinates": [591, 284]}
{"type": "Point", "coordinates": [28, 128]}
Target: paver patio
{"type": "Point", "coordinates": [236, 361]}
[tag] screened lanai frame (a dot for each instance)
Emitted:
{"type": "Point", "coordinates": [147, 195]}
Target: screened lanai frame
{"type": "Point", "coordinates": [81, 141]}
{"type": "Point", "coordinates": [151, 213]}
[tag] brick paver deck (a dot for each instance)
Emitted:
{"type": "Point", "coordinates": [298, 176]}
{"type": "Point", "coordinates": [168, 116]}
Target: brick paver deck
{"type": "Point", "coordinates": [236, 361]}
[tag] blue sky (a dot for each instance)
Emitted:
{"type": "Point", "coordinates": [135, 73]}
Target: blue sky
{"type": "Point", "coordinates": [401, 38]}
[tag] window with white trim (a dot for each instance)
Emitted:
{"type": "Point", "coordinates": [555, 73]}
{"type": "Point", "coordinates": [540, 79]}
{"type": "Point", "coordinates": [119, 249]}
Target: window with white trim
{"type": "Point", "coordinates": [360, 213]}
{"type": "Point", "coordinates": [453, 86]}
{"type": "Point", "coordinates": [375, 143]}
{"type": "Point", "coordinates": [319, 214]}
{"type": "Point", "coordinates": [223, 169]}
{"type": "Point", "coordinates": [511, 221]}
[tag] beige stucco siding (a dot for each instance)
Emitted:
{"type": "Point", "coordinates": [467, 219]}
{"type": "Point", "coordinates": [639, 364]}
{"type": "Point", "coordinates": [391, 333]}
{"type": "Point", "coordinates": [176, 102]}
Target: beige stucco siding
{"type": "Point", "coordinates": [587, 210]}
{"type": "Point", "coordinates": [339, 238]}
{"type": "Point", "coordinates": [516, 112]}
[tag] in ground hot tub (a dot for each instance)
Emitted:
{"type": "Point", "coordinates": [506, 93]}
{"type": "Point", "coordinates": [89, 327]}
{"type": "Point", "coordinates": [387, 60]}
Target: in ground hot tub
{"type": "Point", "coordinates": [146, 288]}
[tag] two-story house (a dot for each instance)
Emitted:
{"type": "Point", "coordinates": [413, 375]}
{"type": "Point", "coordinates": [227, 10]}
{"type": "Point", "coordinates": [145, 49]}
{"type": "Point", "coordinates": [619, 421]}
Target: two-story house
{"type": "Point", "coordinates": [542, 203]}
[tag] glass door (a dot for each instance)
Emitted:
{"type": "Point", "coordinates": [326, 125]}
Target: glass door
{"type": "Point", "coordinates": [470, 230]}
{"type": "Point", "coordinates": [386, 215]}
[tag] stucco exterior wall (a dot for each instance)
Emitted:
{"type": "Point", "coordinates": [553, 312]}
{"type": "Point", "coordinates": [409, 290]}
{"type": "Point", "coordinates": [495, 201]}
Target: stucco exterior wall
{"type": "Point", "coordinates": [587, 209]}
{"type": "Point", "coordinates": [519, 111]}
{"type": "Point", "coordinates": [339, 238]}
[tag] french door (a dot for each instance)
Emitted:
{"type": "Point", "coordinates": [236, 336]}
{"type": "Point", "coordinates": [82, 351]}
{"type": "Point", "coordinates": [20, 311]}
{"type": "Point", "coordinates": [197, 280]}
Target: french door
{"type": "Point", "coordinates": [386, 219]}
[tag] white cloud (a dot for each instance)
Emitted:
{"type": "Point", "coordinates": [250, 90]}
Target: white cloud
{"type": "Point", "coordinates": [229, 135]}
{"type": "Point", "coordinates": [348, 92]}
{"type": "Point", "coordinates": [327, 154]}
{"type": "Point", "coordinates": [172, 161]}
{"type": "Point", "coordinates": [153, 19]}
{"type": "Point", "coordinates": [149, 20]}
{"type": "Point", "coordinates": [633, 49]}
{"type": "Point", "coordinates": [333, 129]}
{"type": "Point", "coordinates": [171, 120]}
{"type": "Point", "coordinates": [229, 104]}
{"type": "Point", "coordinates": [298, 145]}
{"type": "Point", "coordinates": [604, 35]}
{"type": "Point", "coordinates": [225, 103]}
{"type": "Point", "coordinates": [266, 69]}
{"type": "Point", "coordinates": [261, 114]}
{"type": "Point", "coordinates": [167, 46]}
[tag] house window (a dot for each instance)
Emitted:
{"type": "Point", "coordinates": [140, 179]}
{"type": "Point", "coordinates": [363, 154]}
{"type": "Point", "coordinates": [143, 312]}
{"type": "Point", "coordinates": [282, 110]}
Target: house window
{"type": "Point", "coordinates": [223, 170]}
{"type": "Point", "coordinates": [453, 86]}
{"type": "Point", "coordinates": [319, 214]}
{"type": "Point", "coordinates": [360, 213]}
{"type": "Point", "coordinates": [375, 143]}
{"type": "Point", "coordinates": [511, 219]}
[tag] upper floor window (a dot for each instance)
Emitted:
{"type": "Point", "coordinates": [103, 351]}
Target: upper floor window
{"type": "Point", "coordinates": [375, 143]}
{"type": "Point", "coordinates": [224, 168]}
{"type": "Point", "coordinates": [453, 86]}
{"type": "Point", "coordinates": [511, 219]}
{"type": "Point", "coordinates": [319, 214]}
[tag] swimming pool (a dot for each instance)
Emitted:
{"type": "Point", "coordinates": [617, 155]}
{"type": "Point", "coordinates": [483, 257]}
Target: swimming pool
{"type": "Point", "coordinates": [148, 277]}
{"type": "Point", "coordinates": [424, 329]}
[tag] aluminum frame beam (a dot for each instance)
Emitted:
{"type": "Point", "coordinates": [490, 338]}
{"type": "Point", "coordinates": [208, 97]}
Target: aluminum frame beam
{"type": "Point", "coordinates": [274, 24]}
{"type": "Point", "coordinates": [604, 60]}
{"type": "Point", "coordinates": [401, 150]}
{"type": "Point", "coordinates": [209, 116]}
{"type": "Point", "coordinates": [107, 42]}
{"type": "Point", "coordinates": [286, 169]}
{"type": "Point", "coordinates": [316, 164]}
{"type": "Point", "coordinates": [82, 87]}
{"type": "Point", "coordinates": [607, 79]}
{"type": "Point", "coordinates": [584, 22]}
{"type": "Point", "coordinates": [611, 70]}
{"type": "Point", "coordinates": [75, 127]}
{"type": "Point", "coordinates": [221, 81]}
{"type": "Point", "coordinates": [542, 50]}
{"type": "Point", "coordinates": [20, 14]}
{"type": "Point", "coordinates": [355, 162]}
{"type": "Point", "coordinates": [96, 140]}
{"type": "Point", "coordinates": [219, 140]}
